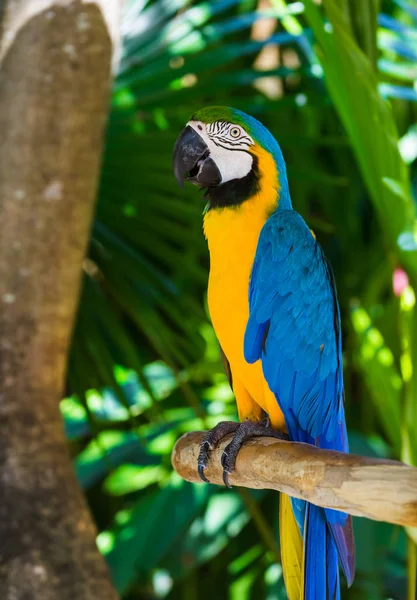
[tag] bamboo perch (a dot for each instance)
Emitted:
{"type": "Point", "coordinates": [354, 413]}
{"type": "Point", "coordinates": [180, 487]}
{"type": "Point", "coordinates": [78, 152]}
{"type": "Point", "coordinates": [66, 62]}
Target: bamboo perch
{"type": "Point", "coordinates": [384, 490]}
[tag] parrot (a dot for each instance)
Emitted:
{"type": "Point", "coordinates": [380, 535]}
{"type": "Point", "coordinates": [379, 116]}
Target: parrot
{"type": "Point", "coordinates": [273, 304]}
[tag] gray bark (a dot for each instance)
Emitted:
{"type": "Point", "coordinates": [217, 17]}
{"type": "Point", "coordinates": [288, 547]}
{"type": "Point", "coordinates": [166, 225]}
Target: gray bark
{"type": "Point", "coordinates": [55, 62]}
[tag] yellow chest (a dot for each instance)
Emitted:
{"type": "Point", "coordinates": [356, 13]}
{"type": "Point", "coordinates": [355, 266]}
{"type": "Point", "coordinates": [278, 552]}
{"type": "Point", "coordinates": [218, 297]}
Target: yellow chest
{"type": "Point", "coordinates": [232, 235]}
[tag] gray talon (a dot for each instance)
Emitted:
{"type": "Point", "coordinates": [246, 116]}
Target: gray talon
{"type": "Point", "coordinates": [245, 431]}
{"type": "Point", "coordinates": [201, 473]}
{"type": "Point", "coordinates": [211, 440]}
{"type": "Point", "coordinates": [242, 432]}
{"type": "Point", "coordinates": [223, 459]}
{"type": "Point", "coordinates": [226, 479]}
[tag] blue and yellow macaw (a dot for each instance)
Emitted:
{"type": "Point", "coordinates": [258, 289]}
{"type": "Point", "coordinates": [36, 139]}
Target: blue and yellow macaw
{"type": "Point", "coordinates": [273, 303]}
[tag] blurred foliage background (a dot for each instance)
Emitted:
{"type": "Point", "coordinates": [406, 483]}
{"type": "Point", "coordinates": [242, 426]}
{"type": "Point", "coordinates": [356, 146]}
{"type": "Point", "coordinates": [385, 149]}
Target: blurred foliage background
{"type": "Point", "coordinates": [336, 83]}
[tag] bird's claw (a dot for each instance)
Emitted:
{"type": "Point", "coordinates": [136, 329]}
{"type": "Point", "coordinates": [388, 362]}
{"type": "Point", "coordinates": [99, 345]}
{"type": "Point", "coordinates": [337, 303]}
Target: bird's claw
{"type": "Point", "coordinates": [223, 459]}
{"type": "Point", "coordinates": [203, 459]}
{"type": "Point", "coordinates": [226, 479]}
{"type": "Point", "coordinates": [245, 431]}
{"type": "Point", "coordinates": [211, 440]}
{"type": "Point", "coordinates": [201, 473]}
{"type": "Point", "coordinates": [242, 432]}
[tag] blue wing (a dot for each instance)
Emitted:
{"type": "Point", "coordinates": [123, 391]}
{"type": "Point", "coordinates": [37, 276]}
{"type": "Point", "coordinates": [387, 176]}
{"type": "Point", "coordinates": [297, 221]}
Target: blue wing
{"type": "Point", "coordinates": [294, 329]}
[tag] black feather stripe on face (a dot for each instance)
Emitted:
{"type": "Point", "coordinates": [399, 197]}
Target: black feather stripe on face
{"type": "Point", "coordinates": [236, 191]}
{"type": "Point", "coordinates": [218, 132]}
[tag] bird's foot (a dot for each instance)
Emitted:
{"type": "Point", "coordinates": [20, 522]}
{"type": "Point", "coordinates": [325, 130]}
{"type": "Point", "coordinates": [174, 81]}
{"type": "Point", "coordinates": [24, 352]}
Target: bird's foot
{"type": "Point", "coordinates": [211, 440]}
{"type": "Point", "coordinates": [243, 432]}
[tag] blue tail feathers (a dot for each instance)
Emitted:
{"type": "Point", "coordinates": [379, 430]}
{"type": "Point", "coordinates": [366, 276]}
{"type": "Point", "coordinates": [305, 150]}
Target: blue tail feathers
{"type": "Point", "coordinates": [321, 568]}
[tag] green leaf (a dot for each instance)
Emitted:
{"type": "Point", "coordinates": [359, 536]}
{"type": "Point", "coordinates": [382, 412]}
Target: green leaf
{"type": "Point", "coordinates": [109, 450]}
{"type": "Point", "coordinates": [368, 120]}
{"type": "Point", "coordinates": [383, 381]}
{"type": "Point", "coordinates": [139, 543]}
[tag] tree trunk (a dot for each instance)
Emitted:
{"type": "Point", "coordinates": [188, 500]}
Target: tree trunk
{"type": "Point", "coordinates": [55, 63]}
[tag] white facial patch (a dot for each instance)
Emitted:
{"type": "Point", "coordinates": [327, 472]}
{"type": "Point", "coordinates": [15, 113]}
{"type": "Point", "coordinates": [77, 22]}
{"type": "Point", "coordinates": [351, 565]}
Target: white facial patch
{"type": "Point", "coordinates": [228, 145]}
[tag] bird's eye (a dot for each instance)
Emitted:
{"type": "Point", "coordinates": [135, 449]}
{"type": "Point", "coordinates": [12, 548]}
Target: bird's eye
{"type": "Point", "coordinates": [235, 132]}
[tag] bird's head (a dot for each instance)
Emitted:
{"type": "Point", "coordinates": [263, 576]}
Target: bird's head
{"type": "Point", "coordinates": [231, 155]}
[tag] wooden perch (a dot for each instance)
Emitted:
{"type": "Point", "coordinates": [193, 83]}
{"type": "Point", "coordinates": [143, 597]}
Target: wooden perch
{"type": "Point", "coordinates": [384, 490]}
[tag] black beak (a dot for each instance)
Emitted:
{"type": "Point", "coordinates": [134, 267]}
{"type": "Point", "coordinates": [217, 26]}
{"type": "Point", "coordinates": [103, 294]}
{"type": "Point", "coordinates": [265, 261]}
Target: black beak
{"type": "Point", "coordinates": [192, 156]}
